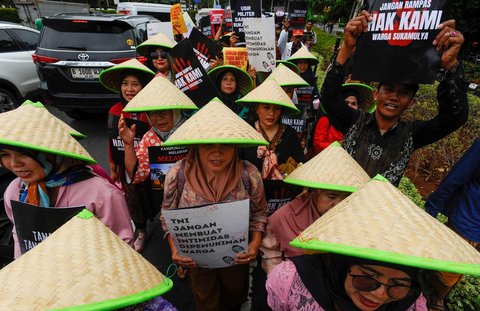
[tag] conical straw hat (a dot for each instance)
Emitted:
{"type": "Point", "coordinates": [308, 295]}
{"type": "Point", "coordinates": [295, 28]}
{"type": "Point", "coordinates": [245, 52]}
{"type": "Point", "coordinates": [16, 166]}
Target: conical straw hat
{"type": "Point", "coordinates": [245, 82]}
{"type": "Point", "coordinates": [331, 169]}
{"type": "Point", "coordinates": [286, 77]}
{"type": "Point", "coordinates": [31, 126]}
{"type": "Point", "coordinates": [159, 40]}
{"type": "Point", "coordinates": [110, 78]}
{"type": "Point", "coordinates": [269, 92]}
{"type": "Point", "coordinates": [159, 94]}
{"type": "Point", "coordinates": [303, 54]}
{"type": "Point", "coordinates": [215, 123]}
{"type": "Point", "coordinates": [365, 94]}
{"type": "Point", "coordinates": [379, 222]}
{"type": "Point", "coordinates": [81, 264]}
{"type": "Point", "coordinates": [290, 65]}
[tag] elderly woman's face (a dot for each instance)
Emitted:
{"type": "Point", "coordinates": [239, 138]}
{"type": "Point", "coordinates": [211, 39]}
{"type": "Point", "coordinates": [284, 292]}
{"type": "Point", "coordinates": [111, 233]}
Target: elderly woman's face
{"type": "Point", "coordinates": [130, 87]}
{"type": "Point", "coordinates": [326, 199]}
{"type": "Point", "coordinates": [268, 115]}
{"type": "Point", "coordinates": [228, 83]}
{"type": "Point", "coordinates": [216, 157]}
{"type": "Point", "coordinates": [161, 62]}
{"type": "Point", "coordinates": [26, 168]}
{"type": "Point", "coordinates": [368, 300]}
{"type": "Point", "coordinates": [162, 120]}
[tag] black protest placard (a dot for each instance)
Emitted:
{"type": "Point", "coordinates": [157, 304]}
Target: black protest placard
{"type": "Point", "coordinates": [216, 16]}
{"type": "Point", "coordinates": [298, 122]}
{"type": "Point", "coordinates": [242, 9]}
{"type": "Point", "coordinates": [397, 48]}
{"type": "Point", "coordinates": [33, 224]}
{"type": "Point", "coordinates": [205, 26]}
{"type": "Point", "coordinates": [279, 193]}
{"type": "Point", "coordinates": [205, 48]}
{"type": "Point", "coordinates": [297, 13]}
{"type": "Point", "coordinates": [305, 94]}
{"type": "Point", "coordinates": [190, 77]}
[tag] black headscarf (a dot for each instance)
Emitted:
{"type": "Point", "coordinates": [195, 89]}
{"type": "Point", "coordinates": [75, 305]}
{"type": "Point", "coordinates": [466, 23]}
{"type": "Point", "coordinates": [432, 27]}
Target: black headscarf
{"type": "Point", "coordinates": [229, 100]}
{"type": "Point", "coordinates": [143, 78]}
{"type": "Point", "coordinates": [324, 276]}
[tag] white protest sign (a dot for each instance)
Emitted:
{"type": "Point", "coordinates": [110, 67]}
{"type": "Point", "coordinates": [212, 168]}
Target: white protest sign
{"type": "Point", "coordinates": [189, 23]}
{"type": "Point", "coordinates": [162, 27]}
{"type": "Point", "coordinates": [212, 234]}
{"type": "Point", "coordinates": [260, 40]}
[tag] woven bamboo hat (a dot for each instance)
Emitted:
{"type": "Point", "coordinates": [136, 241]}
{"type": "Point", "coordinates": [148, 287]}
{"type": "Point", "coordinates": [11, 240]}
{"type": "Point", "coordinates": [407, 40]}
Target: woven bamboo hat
{"type": "Point", "coordinates": [290, 65]}
{"type": "Point", "coordinates": [95, 270]}
{"type": "Point", "coordinates": [331, 169]}
{"type": "Point", "coordinates": [215, 123]}
{"type": "Point", "coordinates": [269, 92]}
{"type": "Point", "coordinates": [110, 78]}
{"type": "Point", "coordinates": [286, 77]}
{"type": "Point", "coordinates": [303, 54]}
{"type": "Point", "coordinates": [31, 126]}
{"type": "Point", "coordinates": [159, 94]}
{"type": "Point", "coordinates": [245, 82]}
{"type": "Point", "coordinates": [159, 40]}
{"type": "Point", "coordinates": [379, 222]}
{"type": "Point", "coordinates": [365, 95]}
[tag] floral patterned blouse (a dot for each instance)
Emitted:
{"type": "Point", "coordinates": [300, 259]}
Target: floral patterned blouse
{"type": "Point", "coordinates": [143, 171]}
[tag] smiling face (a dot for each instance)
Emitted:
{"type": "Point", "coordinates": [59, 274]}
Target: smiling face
{"type": "Point", "coordinates": [268, 115]}
{"type": "Point", "coordinates": [326, 199]}
{"type": "Point", "coordinates": [216, 157]}
{"type": "Point", "coordinates": [392, 100]}
{"type": "Point", "coordinates": [130, 87]}
{"type": "Point", "coordinates": [302, 65]}
{"type": "Point", "coordinates": [29, 170]}
{"type": "Point", "coordinates": [228, 84]}
{"type": "Point", "coordinates": [161, 63]}
{"type": "Point", "coordinates": [162, 120]}
{"type": "Point", "coordinates": [372, 300]}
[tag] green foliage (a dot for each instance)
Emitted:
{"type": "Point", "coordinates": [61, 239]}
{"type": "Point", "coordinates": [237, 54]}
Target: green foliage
{"type": "Point", "coordinates": [324, 46]}
{"type": "Point", "coordinates": [333, 10]}
{"type": "Point", "coordinates": [472, 72]}
{"type": "Point", "coordinates": [409, 189]}
{"type": "Point", "coordinates": [467, 16]}
{"type": "Point", "coordinates": [466, 295]}
{"type": "Point", "coordinates": [9, 15]}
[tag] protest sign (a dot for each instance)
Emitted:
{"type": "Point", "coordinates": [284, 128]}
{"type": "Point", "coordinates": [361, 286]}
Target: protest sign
{"type": "Point", "coordinates": [242, 9]}
{"type": "Point", "coordinates": [176, 18]}
{"type": "Point", "coordinates": [190, 77]}
{"type": "Point", "coordinates": [212, 234]}
{"type": "Point", "coordinates": [188, 22]}
{"type": "Point", "coordinates": [162, 27]}
{"type": "Point", "coordinates": [298, 122]}
{"type": "Point", "coordinates": [260, 39]}
{"type": "Point", "coordinates": [236, 57]}
{"type": "Point", "coordinates": [297, 14]}
{"type": "Point", "coordinates": [216, 16]}
{"type": "Point", "coordinates": [33, 224]}
{"type": "Point", "coordinates": [397, 48]}
{"type": "Point", "coordinates": [227, 16]}
{"type": "Point", "coordinates": [205, 48]}
{"type": "Point", "coordinates": [205, 26]}
{"type": "Point", "coordinates": [305, 94]}
{"type": "Point", "coordinates": [279, 193]}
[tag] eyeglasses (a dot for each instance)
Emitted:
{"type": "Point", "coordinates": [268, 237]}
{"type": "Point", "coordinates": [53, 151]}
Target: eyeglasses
{"type": "Point", "coordinates": [162, 54]}
{"type": "Point", "coordinates": [368, 284]}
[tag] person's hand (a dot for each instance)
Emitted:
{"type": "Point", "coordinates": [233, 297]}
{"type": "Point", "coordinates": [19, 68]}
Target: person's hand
{"type": "Point", "coordinates": [450, 42]}
{"type": "Point", "coordinates": [252, 72]}
{"type": "Point", "coordinates": [126, 134]}
{"type": "Point", "coordinates": [215, 62]}
{"type": "Point", "coordinates": [233, 40]}
{"type": "Point", "coordinates": [184, 262]}
{"type": "Point", "coordinates": [355, 28]}
{"type": "Point", "coordinates": [249, 256]}
{"type": "Point", "coordinates": [113, 172]}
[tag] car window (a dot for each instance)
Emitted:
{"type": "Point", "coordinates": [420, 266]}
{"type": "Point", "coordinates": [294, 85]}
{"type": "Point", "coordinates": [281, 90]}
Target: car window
{"type": "Point", "coordinates": [29, 38]}
{"type": "Point", "coordinates": [6, 43]}
{"type": "Point", "coordinates": [163, 17]}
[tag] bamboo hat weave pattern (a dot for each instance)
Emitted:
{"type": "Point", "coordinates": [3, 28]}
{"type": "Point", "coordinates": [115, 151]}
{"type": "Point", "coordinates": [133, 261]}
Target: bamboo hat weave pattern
{"type": "Point", "coordinates": [245, 82]}
{"type": "Point", "coordinates": [110, 78]}
{"type": "Point", "coordinates": [31, 126]}
{"type": "Point", "coordinates": [159, 40]}
{"type": "Point", "coordinates": [303, 54]}
{"type": "Point", "coordinates": [159, 94]}
{"type": "Point", "coordinates": [215, 123]}
{"type": "Point", "coordinates": [286, 77]}
{"type": "Point", "coordinates": [331, 169]}
{"type": "Point", "coordinates": [379, 222]}
{"type": "Point", "coordinates": [81, 266]}
{"type": "Point", "coordinates": [290, 65]}
{"type": "Point", "coordinates": [269, 92]}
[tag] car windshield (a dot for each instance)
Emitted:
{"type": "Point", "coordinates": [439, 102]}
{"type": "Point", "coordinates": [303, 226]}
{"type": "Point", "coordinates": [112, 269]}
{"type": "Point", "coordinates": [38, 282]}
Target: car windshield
{"type": "Point", "coordinates": [81, 35]}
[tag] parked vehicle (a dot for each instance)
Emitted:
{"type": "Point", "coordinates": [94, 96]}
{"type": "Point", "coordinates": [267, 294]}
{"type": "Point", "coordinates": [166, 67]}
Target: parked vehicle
{"type": "Point", "coordinates": [18, 77]}
{"type": "Point", "coordinates": [75, 48]}
{"type": "Point", "coordinates": [159, 11]}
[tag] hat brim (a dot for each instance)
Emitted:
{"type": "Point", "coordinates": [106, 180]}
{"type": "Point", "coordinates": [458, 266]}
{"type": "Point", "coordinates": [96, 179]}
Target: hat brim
{"type": "Point", "coordinates": [110, 78]}
{"type": "Point", "coordinates": [289, 109]}
{"type": "Point", "coordinates": [311, 61]}
{"type": "Point", "coordinates": [322, 186]}
{"type": "Point", "coordinates": [227, 141]}
{"type": "Point", "coordinates": [245, 83]}
{"type": "Point", "coordinates": [158, 108]}
{"type": "Point", "coordinates": [366, 101]}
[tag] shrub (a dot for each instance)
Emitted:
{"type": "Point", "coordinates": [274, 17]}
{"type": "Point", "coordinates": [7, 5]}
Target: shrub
{"type": "Point", "coordinates": [9, 15]}
{"type": "Point", "coordinates": [472, 72]}
{"type": "Point", "coordinates": [409, 189]}
{"type": "Point", "coordinates": [324, 47]}
{"type": "Point", "coordinates": [466, 295]}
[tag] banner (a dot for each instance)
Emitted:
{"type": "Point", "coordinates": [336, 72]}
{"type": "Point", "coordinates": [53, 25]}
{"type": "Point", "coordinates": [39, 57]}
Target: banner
{"type": "Point", "coordinates": [305, 94]}
{"type": "Point", "coordinates": [190, 77]}
{"type": "Point", "coordinates": [397, 48]}
{"type": "Point", "coordinates": [205, 26]}
{"type": "Point", "coordinates": [236, 57]}
{"type": "Point", "coordinates": [299, 123]}
{"type": "Point", "coordinates": [297, 14]}
{"type": "Point", "coordinates": [242, 9]}
{"type": "Point", "coordinates": [34, 224]}
{"type": "Point", "coordinates": [216, 16]}
{"type": "Point", "coordinates": [162, 27]}
{"type": "Point", "coordinates": [260, 39]}
{"type": "Point", "coordinates": [205, 48]}
{"type": "Point", "coordinates": [176, 17]}
{"type": "Point", "coordinates": [212, 234]}
{"type": "Point", "coordinates": [279, 193]}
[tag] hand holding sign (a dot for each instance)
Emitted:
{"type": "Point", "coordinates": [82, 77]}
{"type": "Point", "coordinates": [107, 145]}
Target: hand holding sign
{"type": "Point", "coordinates": [354, 29]}
{"type": "Point", "coordinates": [450, 41]}
{"type": "Point", "coordinates": [251, 254]}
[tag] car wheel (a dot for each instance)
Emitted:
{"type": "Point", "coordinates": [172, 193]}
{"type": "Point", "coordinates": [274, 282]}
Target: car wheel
{"type": "Point", "coordinates": [7, 100]}
{"type": "Point", "coordinates": [76, 114]}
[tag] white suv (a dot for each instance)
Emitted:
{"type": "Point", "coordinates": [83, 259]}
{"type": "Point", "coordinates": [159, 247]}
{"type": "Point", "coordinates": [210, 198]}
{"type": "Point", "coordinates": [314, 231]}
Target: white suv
{"type": "Point", "coordinates": [18, 74]}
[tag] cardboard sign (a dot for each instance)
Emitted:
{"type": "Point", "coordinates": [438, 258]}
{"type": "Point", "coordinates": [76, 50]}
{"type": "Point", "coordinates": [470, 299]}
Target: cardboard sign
{"type": "Point", "coordinates": [176, 17]}
{"type": "Point", "coordinates": [297, 14]}
{"type": "Point", "coordinates": [204, 48]}
{"type": "Point", "coordinates": [260, 39]}
{"type": "Point", "coordinates": [162, 27]}
{"type": "Point", "coordinates": [34, 224]}
{"type": "Point", "coordinates": [397, 48]}
{"type": "Point", "coordinates": [279, 193]}
{"type": "Point", "coordinates": [205, 26]}
{"type": "Point", "coordinates": [190, 77]}
{"type": "Point", "coordinates": [236, 57]}
{"type": "Point", "coordinates": [242, 9]}
{"type": "Point", "coordinates": [212, 234]}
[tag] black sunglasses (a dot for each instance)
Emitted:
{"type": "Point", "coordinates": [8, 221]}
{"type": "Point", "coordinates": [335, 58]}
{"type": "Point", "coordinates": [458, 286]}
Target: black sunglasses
{"type": "Point", "coordinates": [162, 54]}
{"type": "Point", "coordinates": [367, 284]}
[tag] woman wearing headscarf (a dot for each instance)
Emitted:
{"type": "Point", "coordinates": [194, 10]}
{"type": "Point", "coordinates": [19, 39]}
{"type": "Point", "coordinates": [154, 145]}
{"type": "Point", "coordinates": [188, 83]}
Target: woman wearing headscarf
{"type": "Point", "coordinates": [156, 51]}
{"type": "Point", "coordinates": [163, 104]}
{"type": "Point", "coordinates": [51, 170]}
{"type": "Point", "coordinates": [213, 173]}
{"type": "Point", "coordinates": [305, 60]}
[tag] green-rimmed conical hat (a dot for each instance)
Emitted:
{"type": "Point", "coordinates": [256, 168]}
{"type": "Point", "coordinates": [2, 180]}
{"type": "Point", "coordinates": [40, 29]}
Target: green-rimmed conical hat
{"type": "Point", "coordinates": [365, 95]}
{"type": "Point", "coordinates": [331, 169]}
{"type": "Point", "coordinates": [215, 123]}
{"type": "Point", "coordinates": [81, 266]}
{"type": "Point", "coordinates": [286, 77]}
{"type": "Point", "coordinates": [269, 92]}
{"type": "Point", "coordinates": [159, 40]}
{"type": "Point", "coordinates": [290, 65]}
{"type": "Point", "coordinates": [379, 222]}
{"type": "Point", "coordinates": [245, 82]}
{"type": "Point", "coordinates": [303, 54]}
{"type": "Point", "coordinates": [110, 78]}
{"type": "Point", "coordinates": [159, 94]}
{"type": "Point", "coordinates": [31, 126]}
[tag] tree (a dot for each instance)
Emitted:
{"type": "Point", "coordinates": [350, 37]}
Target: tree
{"type": "Point", "coordinates": [333, 10]}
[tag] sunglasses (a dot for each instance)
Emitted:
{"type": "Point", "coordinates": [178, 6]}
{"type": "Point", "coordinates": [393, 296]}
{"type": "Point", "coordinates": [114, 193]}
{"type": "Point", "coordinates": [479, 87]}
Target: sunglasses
{"type": "Point", "coordinates": [367, 284]}
{"type": "Point", "coordinates": [156, 55]}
